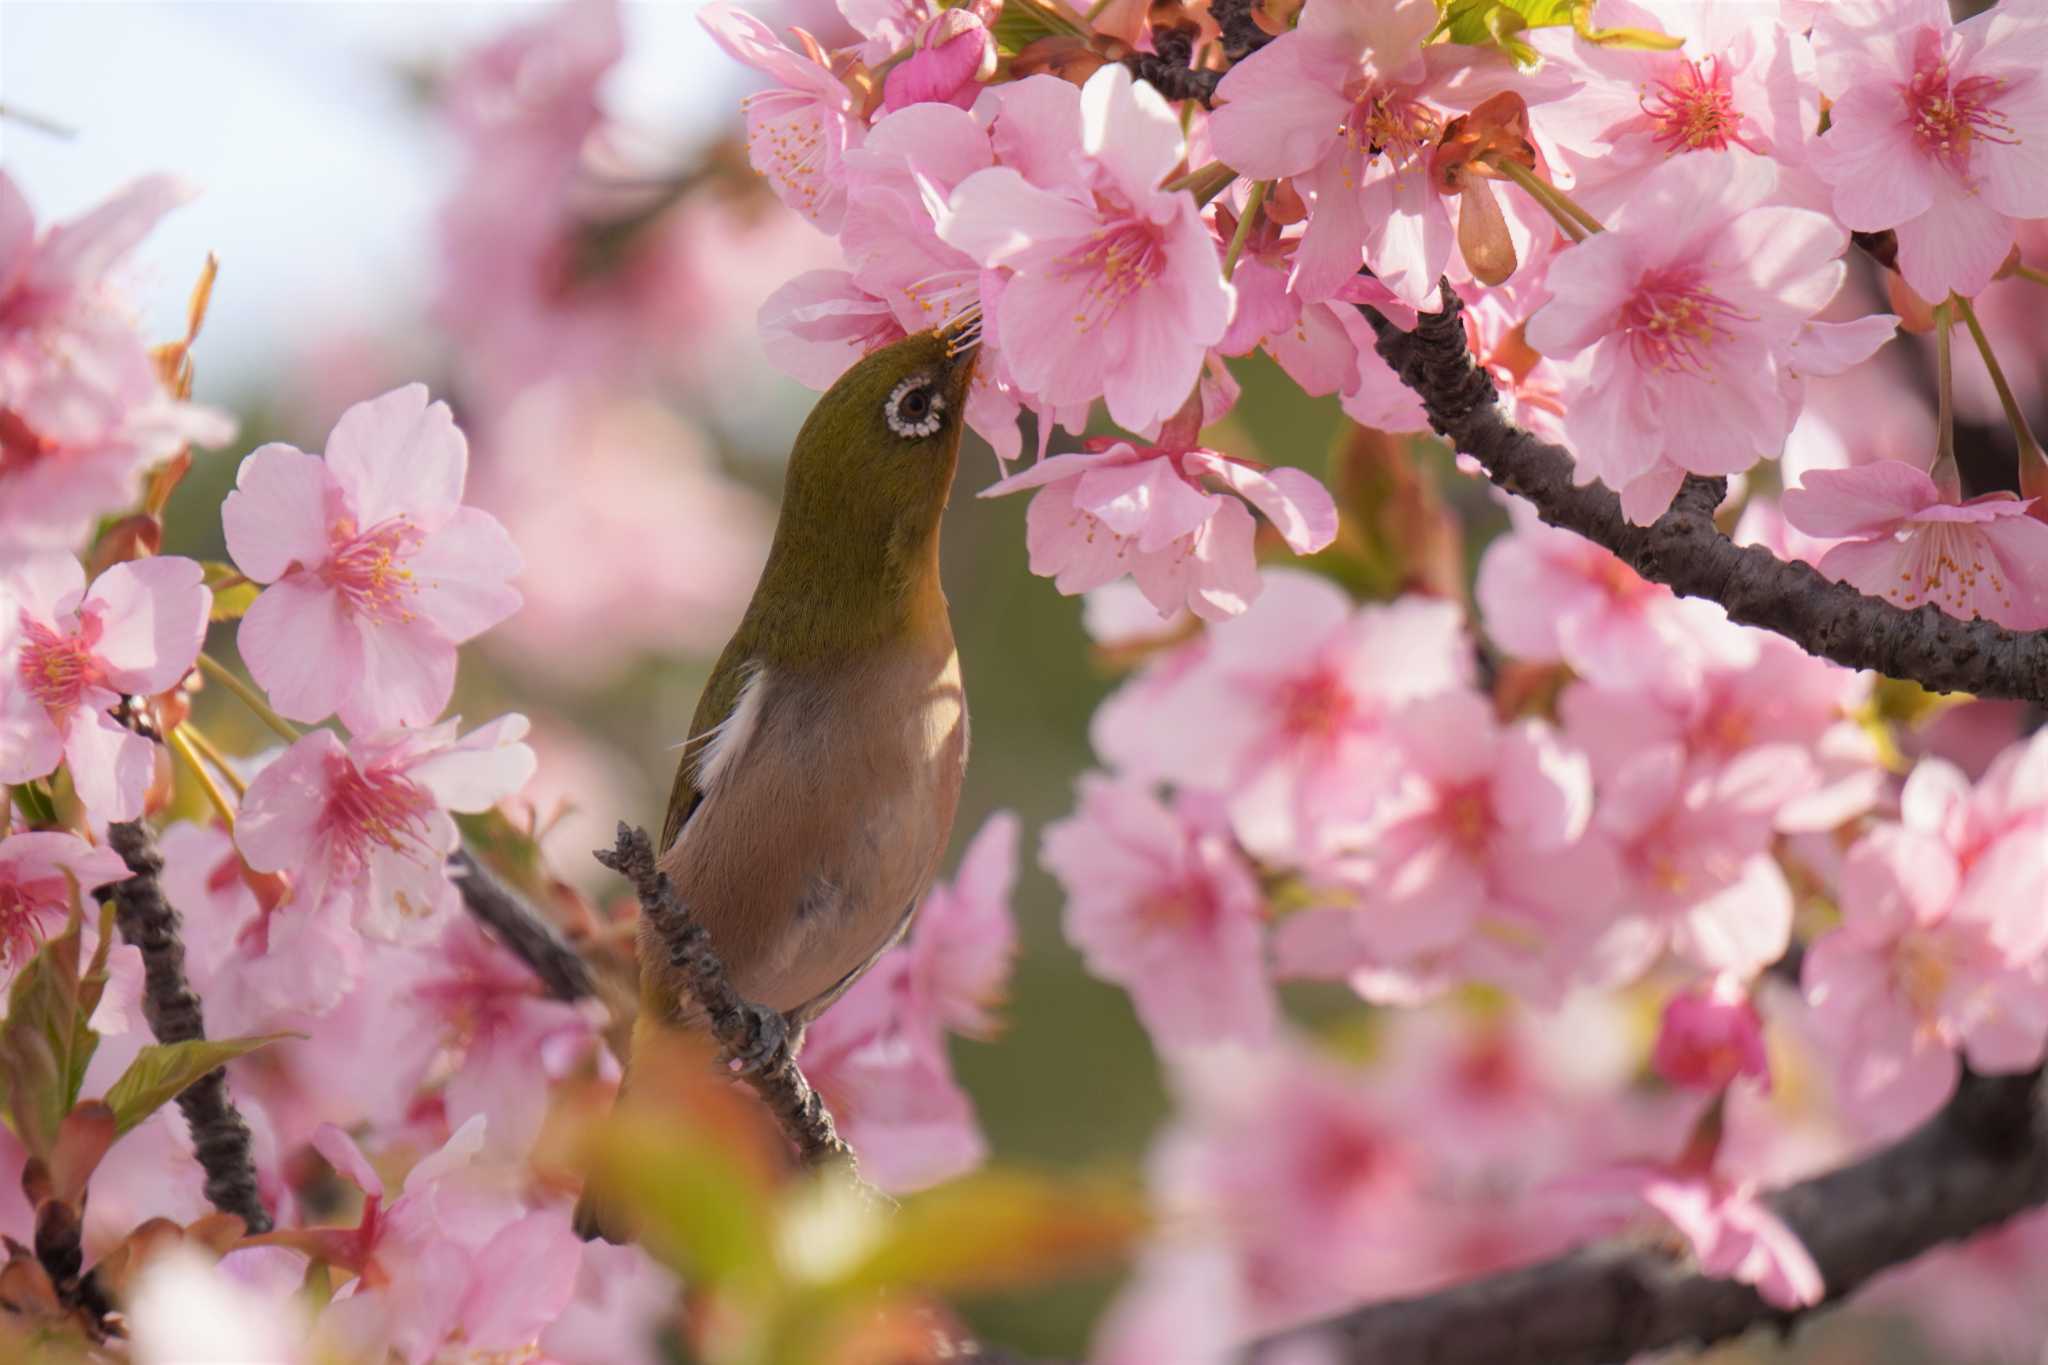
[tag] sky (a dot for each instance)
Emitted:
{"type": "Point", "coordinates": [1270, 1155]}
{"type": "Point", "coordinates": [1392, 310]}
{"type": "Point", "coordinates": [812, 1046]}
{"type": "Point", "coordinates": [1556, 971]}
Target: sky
{"type": "Point", "coordinates": [318, 170]}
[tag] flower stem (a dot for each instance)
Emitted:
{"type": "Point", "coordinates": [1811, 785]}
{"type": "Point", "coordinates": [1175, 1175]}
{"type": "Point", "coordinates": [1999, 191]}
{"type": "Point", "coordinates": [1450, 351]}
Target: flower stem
{"type": "Point", "coordinates": [1946, 474]}
{"type": "Point", "coordinates": [226, 677]}
{"type": "Point", "coordinates": [2033, 464]}
{"type": "Point", "coordinates": [1575, 221]}
{"type": "Point", "coordinates": [2028, 272]}
{"type": "Point", "coordinates": [181, 745]}
{"type": "Point", "coordinates": [210, 751]}
{"type": "Point", "coordinates": [1205, 182]}
{"type": "Point", "coordinates": [1254, 204]}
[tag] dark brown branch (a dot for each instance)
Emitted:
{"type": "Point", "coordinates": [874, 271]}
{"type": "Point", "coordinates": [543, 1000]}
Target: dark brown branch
{"type": "Point", "coordinates": [560, 968]}
{"type": "Point", "coordinates": [743, 1030]}
{"type": "Point", "coordinates": [219, 1135]}
{"type": "Point", "coordinates": [1685, 550]}
{"type": "Point", "coordinates": [1980, 1161]}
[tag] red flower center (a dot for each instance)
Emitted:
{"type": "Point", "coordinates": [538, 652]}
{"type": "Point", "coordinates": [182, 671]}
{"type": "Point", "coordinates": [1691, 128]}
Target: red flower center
{"type": "Point", "coordinates": [1694, 110]}
{"type": "Point", "coordinates": [1315, 707]}
{"type": "Point", "coordinates": [57, 669]}
{"type": "Point", "coordinates": [21, 445]}
{"type": "Point", "coordinates": [377, 806]}
{"type": "Point", "coordinates": [1946, 115]}
{"type": "Point", "coordinates": [1673, 323]}
{"type": "Point", "coordinates": [368, 568]}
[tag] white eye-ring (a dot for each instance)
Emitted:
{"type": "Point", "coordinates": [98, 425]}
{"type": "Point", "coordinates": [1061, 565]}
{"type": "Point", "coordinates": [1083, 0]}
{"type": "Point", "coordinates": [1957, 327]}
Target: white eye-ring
{"type": "Point", "coordinates": [915, 409]}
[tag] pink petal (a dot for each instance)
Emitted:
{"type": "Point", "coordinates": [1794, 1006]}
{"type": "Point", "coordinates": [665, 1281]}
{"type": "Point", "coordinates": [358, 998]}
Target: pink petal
{"type": "Point", "coordinates": [399, 455]}
{"type": "Point", "coordinates": [347, 1159]}
{"type": "Point", "coordinates": [152, 614]}
{"type": "Point", "coordinates": [1129, 131]}
{"type": "Point", "coordinates": [486, 766]}
{"type": "Point", "coordinates": [1866, 500]}
{"type": "Point", "coordinates": [1225, 566]}
{"type": "Point", "coordinates": [45, 588]}
{"type": "Point", "coordinates": [1148, 501]}
{"type": "Point", "coordinates": [460, 572]}
{"type": "Point", "coordinates": [997, 216]}
{"type": "Point", "coordinates": [1956, 245]}
{"type": "Point", "coordinates": [31, 746]}
{"type": "Point", "coordinates": [1297, 504]}
{"type": "Point", "coordinates": [1053, 469]}
{"type": "Point", "coordinates": [278, 828]}
{"type": "Point", "coordinates": [110, 766]}
{"type": "Point", "coordinates": [302, 647]}
{"type": "Point", "coordinates": [76, 254]}
{"type": "Point", "coordinates": [1275, 116]}
{"type": "Point", "coordinates": [277, 514]}
{"type": "Point", "coordinates": [408, 674]}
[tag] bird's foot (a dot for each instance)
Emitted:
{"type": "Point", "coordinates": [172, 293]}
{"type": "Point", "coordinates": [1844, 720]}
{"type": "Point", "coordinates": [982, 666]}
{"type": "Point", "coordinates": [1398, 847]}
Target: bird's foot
{"type": "Point", "coordinates": [767, 1042]}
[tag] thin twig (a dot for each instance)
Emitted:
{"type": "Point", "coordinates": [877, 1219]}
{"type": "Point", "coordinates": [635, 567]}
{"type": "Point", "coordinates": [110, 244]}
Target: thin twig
{"type": "Point", "coordinates": [740, 1028]}
{"type": "Point", "coordinates": [516, 925]}
{"type": "Point", "coordinates": [1981, 1160]}
{"type": "Point", "coordinates": [1686, 551]}
{"type": "Point", "coordinates": [220, 1137]}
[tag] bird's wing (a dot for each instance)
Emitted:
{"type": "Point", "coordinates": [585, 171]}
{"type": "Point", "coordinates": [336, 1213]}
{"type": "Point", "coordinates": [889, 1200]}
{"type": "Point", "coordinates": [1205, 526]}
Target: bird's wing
{"type": "Point", "coordinates": [715, 710]}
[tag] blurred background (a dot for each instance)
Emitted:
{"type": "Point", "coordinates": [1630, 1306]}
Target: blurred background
{"type": "Point", "coordinates": [628, 430]}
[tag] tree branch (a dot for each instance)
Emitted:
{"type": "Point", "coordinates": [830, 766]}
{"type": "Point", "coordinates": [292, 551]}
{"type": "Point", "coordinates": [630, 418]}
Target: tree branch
{"type": "Point", "coordinates": [560, 968]}
{"type": "Point", "coordinates": [1980, 1161]}
{"type": "Point", "coordinates": [220, 1137]}
{"type": "Point", "coordinates": [1685, 550]}
{"type": "Point", "coordinates": [743, 1030]}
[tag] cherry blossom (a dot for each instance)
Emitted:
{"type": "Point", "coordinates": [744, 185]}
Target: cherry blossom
{"type": "Point", "coordinates": [376, 569]}
{"type": "Point", "coordinates": [37, 871]}
{"type": "Point", "coordinates": [1110, 284]}
{"type": "Point", "coordinates": [951, 54]}
{"type": "Point", "coordinates": [366, 823]}
{"type": "Point", "coordinates": [1902, 538]}
{"type": "Point", "coordinates": [1710, 1036]}
{"type": "Point", "coordinates": [1935, 130]}
{"type": "Point", "coordinates": [798, 131]}
{"type": "Point", "coordinates": [1690, 304]}
{"type": "Point", "coordinates": [69, 653]}
{"type": "Point", "coordinates": [1120, 508]}
{"type": "Point", "coordinates": [1159, 902]}
{"type": "Point", "coordinates": [82, 413]}
{"type": "Point", "coordinates": [1733, 1234]}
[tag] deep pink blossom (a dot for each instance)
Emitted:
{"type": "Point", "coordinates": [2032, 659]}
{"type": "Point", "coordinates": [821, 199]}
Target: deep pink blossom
{"type": "Point", "coordinates": [376, 569]}
{"type": "Point", "coordinates": [951, 54]}
{"type": "Point", "coordinates": [367, 823]}
{"type": "Point", "coordinates": [1936, 130]}
{"type": "Point", "coordinates": [1903, 539]}
{"type": "Point", "coordinates": [1159, 902]}
{"type": "Point", "coordinates": [1147, 511]}
{"type": "Point", "coordinates": [35, 892]}
{"type": "Point", "coordinates": [800, 129]}
{"type": "Point", "coordinates": [1690, 304]}
{"type": "Point", "coordinates": [1931, 959]}
{"type": "Point", "coordinates": [1709, 1036]}
{"type": "Point", "coordinates": [68, 653]}
{"type": "Point", "coordinates": [82, 412]}
{"type": "Point", "coordinates": [1111, 286]}
{"type": "Point", "coordinates": [879, 1054]}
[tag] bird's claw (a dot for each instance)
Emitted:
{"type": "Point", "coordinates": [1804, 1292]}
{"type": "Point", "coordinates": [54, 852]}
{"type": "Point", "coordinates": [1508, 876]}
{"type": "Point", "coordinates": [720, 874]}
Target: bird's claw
{"type": "Point", "coordinates": [767, 1039]}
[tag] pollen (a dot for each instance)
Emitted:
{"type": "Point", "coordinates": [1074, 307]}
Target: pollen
{"type": "Point", "coordinates": [1694, 110]}
{"type": "Point", "coordinates": [375, 808]}
{"type": "Point", "coordinates": [56, 669]}
{"type": "Point", "coordinates": [368, 568]}
{"type": "Point", "coordinates": [1674, 323]}
{"type": "Point", "coordinates": [1947, 116]}
{"type": "Point", "coordinates": [1115, 264]}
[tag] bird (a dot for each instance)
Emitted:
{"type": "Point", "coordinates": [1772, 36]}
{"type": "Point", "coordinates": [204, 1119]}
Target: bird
{"type": "Point", "coordinates": [817, 787]}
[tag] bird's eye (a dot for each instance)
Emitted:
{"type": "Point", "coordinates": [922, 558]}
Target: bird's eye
{"type": "Point", "coordinates": [915, 409]}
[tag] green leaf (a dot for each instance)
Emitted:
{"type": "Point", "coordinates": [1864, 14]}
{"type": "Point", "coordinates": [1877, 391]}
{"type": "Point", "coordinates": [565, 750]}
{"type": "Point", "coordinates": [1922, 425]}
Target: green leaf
{"type": "Point", "coordinates": [1000, 1229]}
{"type": "Point", "coordinates": [161, 1071]}
{"type": "Point", "coordinates": [1494, 23]}
{"type": "Point", "coordinates": [47, 1041]}
{"type": "Point", "coordinates": [232, 593]}
{"type": "Point", "coordinates": [33, 799]}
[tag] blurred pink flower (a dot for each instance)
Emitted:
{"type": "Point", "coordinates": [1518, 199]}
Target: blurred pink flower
{"type": "Point", "coordinates": [1709, 1036]}
{"type": "Point", "coordinates": [1733, 1234]}
{"type": "Point", "coordinates": [1935, 130]}
{"type": "Point", "coordinates": [1696, 856]}
{"type": "Point", "coordinates": [879, 1054]}
{"type": "Point", "coordinates": [1930, 959]}
{"type": "Point", "coordinates": [69, 653]}
{"type": "Point", "coordinates": [504, 1038]}
{"type": "Point", "coordinates": [447, 1262]}
{"type": "Point", "coordinates": [367, 823]}
{"type": "Point", "coordinates": [1113, 285]}
{"type": "Point", "coordinates": [1286, 713]}
{"type": "Point", "coordinates": [82, 413]}
{"type": "Point", "coordinates": [1903, 539]}
{"type": "Point", "coordinates": [799, 130]}
{"type": "Point", "coordinates": [1434, 855]}
{"type": "Point", "coordinates": [376, 569]}
{"type": "Point", "coordinates": [1296, 1169]}
{"type": "Point", "coordinates": [1159, 902]}
{"type": "Point", "coordinates": [35, 893]}
{"type": "Point", "coordinates": [2009, 800]}
{"type": "Point", "coordinates": [1690, 304]}
{"type": "Point", "coordinates": [623, 1299]}
{"type": "Point", "coordinates": [1120, 508]}
{"type": "Point", "coordinates": [1549, 596]}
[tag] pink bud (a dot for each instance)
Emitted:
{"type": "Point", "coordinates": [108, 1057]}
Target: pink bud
{"type": "Point", "coordinates": [954, 53]}
{"type": "Point", "coordinates": [1711, 1036]}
